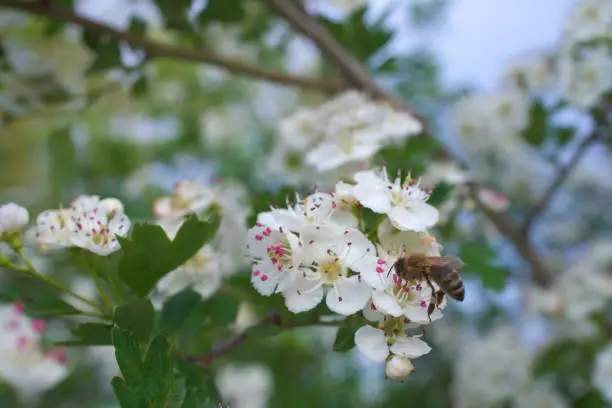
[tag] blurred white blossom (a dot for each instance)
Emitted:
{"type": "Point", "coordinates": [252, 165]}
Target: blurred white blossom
{"type": "Point", "coordinates": [589, 20]}
{"type": "Point", "coordinates": [13, 218]}
{"type": "Point", "coordinates": [245, 386]}
{"type": "Point", "coordinates": [584, 79]}
{"type": "Point", "coordinates": [539, 394]}
{"type": "Point", "coordinates": [602, 372]}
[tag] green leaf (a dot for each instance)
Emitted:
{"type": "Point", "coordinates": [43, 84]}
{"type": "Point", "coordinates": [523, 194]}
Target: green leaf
{"type": "Point", "coordinates": [175, 13]}
{"type": "Point", "coordinates": [225, 11]}
{"type": "Point", "coordinates": [141, 86]}
{"type": "Point", "coordinates": [129, 358]}
{"type": "Point", "coordinates": [105, 49]}
{"type": "Point", "coordinates": [221, 309]}
{"type": "Point", "coordinates": [125, 396]}
{"type": "Point", "coordinates": [201, 387]}
{"type": "Point", "coordinates": [345, 337]}
{"type": "Point", "coordinates": [479, 259]}
{"type": "Point", "coordinates": [177, 309]}
{"type": "Point", "coordinates": [150, 255]}
{"type": "Point", "coordinates": [158, 371]}
{"type": "Point", "coordinates": [90, 334]}
{"type": "Point", "coordinates": [138, 26]}
{"type": "Point", "coordinates": [264, 199]}
{"type": "Point", "coordinates": [136, 316]}
{"type": "Point", "coordinates": [536, 131]}
{"type": "Point", "coordinates": [563, 135]}
{"type": "Point", "coordinates": [49, 307]}
{"type": "Point", "coordinates": [414, 155]}
{"type": "Point", "coordinates": [359, 39]}
{"type": "Point", "coordinates": [440, 194]}
{"type": "Point", "coordinates": [63, 163]}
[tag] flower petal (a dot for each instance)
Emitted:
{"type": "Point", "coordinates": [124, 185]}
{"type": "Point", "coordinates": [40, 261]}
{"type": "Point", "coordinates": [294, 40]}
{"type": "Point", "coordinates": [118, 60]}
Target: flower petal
{"type": "Point", "coordinates": [411, 347]}
{"type": "Point", "coordinates": [416, 218]}
{"type": "Point", "coordinates": [375, 198]}
{"type": "Point", "coordinates": [303, 295]}
{"type": "Point", "coordinates": [350, 296]}
{"type": "Point", "coordinates": [372, 343]}
{"type": "Point", "coordinates": [264, 277]}
{"type": "Point", "coordinates": [386, 303]}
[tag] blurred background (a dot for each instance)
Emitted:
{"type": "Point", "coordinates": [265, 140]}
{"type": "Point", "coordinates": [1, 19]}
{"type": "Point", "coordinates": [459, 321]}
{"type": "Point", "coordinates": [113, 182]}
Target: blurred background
{"type": "Point", "coordinates": [82, 113]}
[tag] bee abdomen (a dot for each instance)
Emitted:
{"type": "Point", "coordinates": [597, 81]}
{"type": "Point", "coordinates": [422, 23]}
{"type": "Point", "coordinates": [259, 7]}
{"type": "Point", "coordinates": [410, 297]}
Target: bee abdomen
{"type": "Point", "coordinates": [456, 290]}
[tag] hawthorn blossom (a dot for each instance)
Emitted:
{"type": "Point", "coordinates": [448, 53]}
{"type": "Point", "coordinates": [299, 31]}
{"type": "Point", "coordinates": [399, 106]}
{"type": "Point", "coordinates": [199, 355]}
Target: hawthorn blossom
{"type": "Point", "coordinates": [532, 72]}
{"type": "Point", "coordinates": [54, 228]}
{"type": "Point", "coordinates": [398, 368]}
{"type": "Point", "coordinates": [86, 203]}
{"type": "Point", "coordinates": [13, 218]}
{"type": "Point", "coordinates": [539, 394]}
{"type": "Point", "coordinates": [404, 203]}
{"type": "Point", "coordinates": [96, 231]}
{"type": "Point", "coordinates": [246, 386]}
{"type": "Point", "coordinates": [589, 20]}
{"type": "Point", "coordinates": [24, 365]}
{"type": "Point", "coordinates": [327, 260]}
{"type": "Point", "coordinates": [389, 340]}
{"type": "Point", "coordinates": [275, 254]}
{"type": "Point", "coordinates": [187, 197]}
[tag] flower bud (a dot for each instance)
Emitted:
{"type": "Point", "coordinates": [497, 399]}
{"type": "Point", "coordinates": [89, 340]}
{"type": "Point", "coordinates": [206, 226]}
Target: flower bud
{"type": "Point", "coordinates": [398, 368]}
{"type": "Point", "coordinates": [111, 206]}
{"type": "Point", "coordinates": [12, 219]}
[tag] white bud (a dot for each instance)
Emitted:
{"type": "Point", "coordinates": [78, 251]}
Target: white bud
{"type": "Point", "coordinates": [398, 368]}
{"type": "Point", "coordinates": [13, 218]}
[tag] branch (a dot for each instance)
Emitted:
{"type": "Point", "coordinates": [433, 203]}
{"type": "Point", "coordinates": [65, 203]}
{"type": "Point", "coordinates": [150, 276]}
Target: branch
{"type": "Point", "coordinates": [351, 68]}
{"type": "Point", "coordinates": [274, 319]}
{"type": "Point", "coordinates": [151, 48]}
{"type": "Point", "coordinates": [562, 174]}
{"type": "Point", "coordinates": [356, 75]}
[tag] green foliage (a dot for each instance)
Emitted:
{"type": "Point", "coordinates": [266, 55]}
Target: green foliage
{"type": "Point", "coordinates": [62, 164]}
{"type": "Point", "coordinates": [90, 334]}
{"type": "Point", "coordinates": [345, 337]}
{"type": "Point", "coordinates": [479, 259]}
{"type": "Point", "coordinates": [563, 135]}
{"type": "Point", "coordinates": [136, 316]}
{"type": "Point", "coordinates": [175, 13]}
{"type": "Point", "coordinates": [413, 155]}
{"type": "Point", "coordinates": [440, 194]}
{"type": "Point", "coordinates": [150, 254]}
{"type": "Point", "coordinates": [177, 310]}
{"type": "Point", "coordinates": [537, 129]}
{"type": "Point", "coordinates": [262, 200]}
{"type": "Point", "coordinates": [49, 306]}
{"type": "Point", "coordinates": [224, 11]}
{"type": "Point", "coordinates": [106, 51]}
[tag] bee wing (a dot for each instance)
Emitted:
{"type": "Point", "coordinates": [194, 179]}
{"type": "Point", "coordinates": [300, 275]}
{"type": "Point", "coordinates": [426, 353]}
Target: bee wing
{"type": "Point", "coordinates": [445, 261]}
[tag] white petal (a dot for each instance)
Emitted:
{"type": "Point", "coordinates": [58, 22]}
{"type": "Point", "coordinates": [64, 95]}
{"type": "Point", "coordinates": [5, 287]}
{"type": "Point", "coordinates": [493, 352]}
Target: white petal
{"type": "Point", "coordinates": [264, 277]}
{"type": "Point", "coordinates": [372, 343]}
{"type": "Point", "coordinates": [368, 177]}
{"type": "Point", "coordinates": [418, 314]}
{"type": "Point", "coordinates": [303, 295]}
{"type": "Point", "coordinates": [377, 275]}
{"type": "Point", "coordinates": [411, 347]}
{"type": "Point", "coordinates": [350, 297]}
{"type": "Point", "coordinates": [374, 197]}
{"type": "Point", "coordinates": [407, 219]}
{"type": "Point", "coordinates": [371, 313]}
{"type": "Point", "coordinates": [386, 303]}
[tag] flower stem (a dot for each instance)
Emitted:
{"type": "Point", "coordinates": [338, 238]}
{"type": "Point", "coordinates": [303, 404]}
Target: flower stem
{"type": "Point", "coordinates": [111, 283]}
{"type": "Point", "coordinates": [31, 271]}
{"type": "Point", "coordinates": [94, 276]}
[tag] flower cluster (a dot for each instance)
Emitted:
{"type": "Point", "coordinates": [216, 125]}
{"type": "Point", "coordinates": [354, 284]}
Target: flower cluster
{"type": "Point", "coordinates": [320, 247]}
{"type": "Point", "coordinates": [337, 136]}
{"type": "Point", "coordinates": [88, 222]}
{"type": "Point", "coordinates": [204, 270]}
{"type": "Point", "coordinates": [24, 365]}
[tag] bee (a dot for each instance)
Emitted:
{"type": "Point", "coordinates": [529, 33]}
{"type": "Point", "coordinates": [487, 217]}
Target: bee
{"type": "Point", "coordinates": [443, 270]}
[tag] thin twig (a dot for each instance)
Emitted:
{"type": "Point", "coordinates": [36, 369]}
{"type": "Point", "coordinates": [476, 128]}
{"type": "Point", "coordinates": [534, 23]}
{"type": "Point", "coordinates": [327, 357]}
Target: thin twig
{"type": "Point", "coordinates": [274, 319]}
{"type": "Point", "coordinates": [155, 49]}
{"type": "Point", "coordinates": [562, 173]}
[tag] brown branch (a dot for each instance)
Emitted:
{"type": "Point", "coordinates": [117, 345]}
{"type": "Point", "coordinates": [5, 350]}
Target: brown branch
{"type": "Point", "coordinates": [562, 174]}
{"type": "Point", "coordinates": [273, 319]}
{"type": "Point", "coordinates": [155, 49]}
{"type": "Point", "coordinates": [357, 76]}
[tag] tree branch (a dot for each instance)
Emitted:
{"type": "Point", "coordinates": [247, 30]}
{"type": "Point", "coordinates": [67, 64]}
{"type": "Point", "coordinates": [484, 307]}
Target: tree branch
{"type": "Point", "coordinates": [562, 173]}
{"type": "Point", "coordinates": [273, 319]}
{"type": "Point", "coordinates": [152, 49]}
{"type": "Point", "coordinates": [356, 75]}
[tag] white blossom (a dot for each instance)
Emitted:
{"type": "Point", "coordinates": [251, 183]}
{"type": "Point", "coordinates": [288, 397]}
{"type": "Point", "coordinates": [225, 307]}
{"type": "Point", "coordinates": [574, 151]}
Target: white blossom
{"type": "Point", "coordinates": [13, 218]}
{"type": "Point", "coordinates": [24, 365]}
{"type": "Point", "coordinates": [325, 272]}
{"type": "Point", "coordinates": [247, 386]}
{"type": "Point", "coordinates": [188, 197]}
{"type": "Point", "coordinates": [539, 394]}
{"type": "Point", "coordinates": [96, 231]}
{"type": "Point", "coordinates": [532, 72]}
{"type": "Point", "coordinates": [583, 80]}
{"type": "Point", "coordinates": [478, 382]}
{"type": "Point", "coordinates": [589, 20]}
{"type": "Point", "coordinates": [404, 203]}
{"type": "Point", "coordinates": [602, 372]}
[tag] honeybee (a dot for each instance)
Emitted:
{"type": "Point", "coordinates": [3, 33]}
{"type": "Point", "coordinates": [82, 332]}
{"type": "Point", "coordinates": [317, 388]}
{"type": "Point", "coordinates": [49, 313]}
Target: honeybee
{"type": "Point", "coordinates": [443, 270]}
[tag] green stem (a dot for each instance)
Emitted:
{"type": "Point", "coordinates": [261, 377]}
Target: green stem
{"type": "Point", "coordinates": [31, 271]}
{"type": "Point", "coordinates": [94, 276]}
{"type": "Point", "coordinates": [111, 283]}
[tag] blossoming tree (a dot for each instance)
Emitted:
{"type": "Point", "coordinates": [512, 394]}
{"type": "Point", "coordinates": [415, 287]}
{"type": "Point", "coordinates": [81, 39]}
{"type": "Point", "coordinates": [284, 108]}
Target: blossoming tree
{"type": "Point", "coordinates": [273, 254]}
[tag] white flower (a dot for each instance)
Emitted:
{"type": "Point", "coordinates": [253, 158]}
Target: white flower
{"type": "Point", "coordinates": [13, 218]}
{"type": "Point", "coordinates": [391, 338]}
{"type": "Point", "coordinates": [405, 204]}
{"type": "Point", "coordinates": [96, 232]}
{"type": "Point", "coordinates": [275, 254]}
{"type": "Point", "coordinates": [54, 228]}
{"type": "Point", "coordinates": [589, 20]}
{"type": "Point", "coordinates": [247, 386]}
{"type": "Point", "coordinates": [583, 81]}
{"type": "Point", "coordinates": [187, 197]}
{"type": "Point", "coordinates": [540, 395]}
{"type": "Point", "coordinates": [343, 149]}
{"type": "Point", "coordinates": [509, 110]}
{"type": "Point", "coordinates": [86, 203]}
{"type": "Point", "coordinates": [532, 72]}
{"type": "Point", "coordinates": [301, 129]}
{"type": "Point", "coordinates": [24, 365]}
{"type": "Point", "coordinates": [325, 271]}
{"type": "Point", "coordinates": [398, 368]}
{"type": "Point", "coordinates": [478, 382]}
{"type": "Point", "coordinates": [602, 373]}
